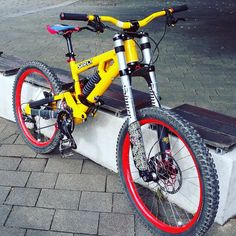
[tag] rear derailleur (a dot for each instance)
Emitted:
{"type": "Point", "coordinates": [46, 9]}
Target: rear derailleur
{"type": "Point", "coordinates": [65, 124]}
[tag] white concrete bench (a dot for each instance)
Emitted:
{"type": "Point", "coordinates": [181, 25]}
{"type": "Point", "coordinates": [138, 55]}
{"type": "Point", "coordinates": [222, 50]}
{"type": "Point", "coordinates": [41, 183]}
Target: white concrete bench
{"type": "Point", "coordinates": [97, 139]}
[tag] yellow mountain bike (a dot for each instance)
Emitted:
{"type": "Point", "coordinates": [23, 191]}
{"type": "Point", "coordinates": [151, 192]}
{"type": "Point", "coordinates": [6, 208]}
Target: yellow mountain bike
{"type": "Point", "coordinates": [166, 170]}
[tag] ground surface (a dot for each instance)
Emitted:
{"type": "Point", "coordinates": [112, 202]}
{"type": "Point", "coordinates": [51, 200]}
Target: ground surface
{"type": "Point", "coordinates": [66, 197]}
{"type": "Point", "coordinates": [54, 196]}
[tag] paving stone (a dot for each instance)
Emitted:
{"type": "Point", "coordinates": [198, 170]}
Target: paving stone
{"type": "Point", "coordinates": [30, 217]}
{"type": "Point", "coordinates": [121, 204]}
{"type": "Point", "coordinates": [29, 164]}
{"type": "Point", "coordinates": [9, 134]}
{"type": "Point", "coordinates": [81, 182]}
{"type": "Point", "coordinates": [62, 165]}
{"type": "Point", "coordinates": [19, 140]}
{"type": "Point", "coordinates": [95, 201]}
{"type": "Point", "coordinates": [75, 221]}
{"type": "Point", "coordinates": [13, 178]}
{"type": "Point", "coordinates": [90, 167]}
{"type": "Point", "coordinates": [23, 196]}
{"type": "Point", "coordinates": [76, 156]}
{"type": "Point", "coordinates": [4, 122]}
{"type": "Point", "coordinates": [2, 127]}
{"type": "Point", "coordinates": [85, 234]}
{"type": "Point", "coordinates": [114, 184]}
{"type": "Point", "coordinates": [116, 224]}
{"type": "Point", "coordinates": [5, 231]}
{"type": "Point", "coordinates": [4, 211]}
{"type": "Point", "coordinates": [7, 163]}
{"type": "Point", "coordinates": [31, 232]}
{"type": "Point", "coordinates": [42, 180]}
{"type": "Point", "coordinates": [60, 199]}
{"type": "Point", "coordinates": [16, 151]}
{"type": "Point", "coordinates": [218, 230]}
{"type": "Point", "coordinates": [141, 230]}
{"type": "Point", "coordinates": [3, 193]}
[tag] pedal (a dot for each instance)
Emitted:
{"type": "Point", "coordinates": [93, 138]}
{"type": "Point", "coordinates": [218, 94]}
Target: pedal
{"type": "Point", "coordinates": [65, 148]}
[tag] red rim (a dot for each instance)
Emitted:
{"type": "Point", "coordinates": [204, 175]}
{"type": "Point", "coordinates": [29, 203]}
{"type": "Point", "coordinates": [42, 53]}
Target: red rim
{"type": "Point", "coordinates": [135, 195]}
{"type": "Point", "coordinates": [19, 111]}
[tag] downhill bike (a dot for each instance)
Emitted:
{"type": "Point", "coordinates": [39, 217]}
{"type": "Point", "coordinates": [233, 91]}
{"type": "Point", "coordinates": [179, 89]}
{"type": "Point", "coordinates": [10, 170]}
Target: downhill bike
{"type": "Point", "coordinates": [164, 166]}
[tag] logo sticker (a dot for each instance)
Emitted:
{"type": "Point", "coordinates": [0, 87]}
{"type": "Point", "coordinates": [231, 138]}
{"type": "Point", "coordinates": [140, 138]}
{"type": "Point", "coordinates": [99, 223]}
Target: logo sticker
{"type": "Point", "coordinates": [85, 63]}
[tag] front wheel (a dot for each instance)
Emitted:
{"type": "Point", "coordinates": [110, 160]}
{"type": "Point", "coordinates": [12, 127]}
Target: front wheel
{"type": "Point", "coordinates": [183, 195]}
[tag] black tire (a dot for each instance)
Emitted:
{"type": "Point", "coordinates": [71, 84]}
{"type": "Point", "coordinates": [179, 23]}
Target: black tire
{"type": "Point", "coordinates": [35, 73]}
{"type": "Point", "coordinates": [208, 189]}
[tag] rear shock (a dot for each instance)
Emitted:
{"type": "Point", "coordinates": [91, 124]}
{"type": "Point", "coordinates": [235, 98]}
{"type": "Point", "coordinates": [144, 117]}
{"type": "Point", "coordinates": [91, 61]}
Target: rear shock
{"type": "Point", "coordinates": [90, 85]}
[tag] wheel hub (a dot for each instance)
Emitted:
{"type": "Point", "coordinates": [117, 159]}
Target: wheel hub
{"type": "Point", "coordinates": [166, 173]}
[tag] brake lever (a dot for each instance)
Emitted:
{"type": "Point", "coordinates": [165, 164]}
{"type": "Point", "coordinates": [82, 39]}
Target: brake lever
{"type": "Point", "coordinates": [97, 25]}
{"type": "Point", "coordinates": [172, 21]}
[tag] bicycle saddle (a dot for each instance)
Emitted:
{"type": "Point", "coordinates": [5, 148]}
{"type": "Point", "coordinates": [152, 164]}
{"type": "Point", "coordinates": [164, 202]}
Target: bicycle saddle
{"type": "Point", "coordinates": [61, 28]}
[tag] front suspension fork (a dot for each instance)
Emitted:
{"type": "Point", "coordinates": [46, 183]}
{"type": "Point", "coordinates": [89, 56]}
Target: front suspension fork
{"type": "Point", "coordinates": [134, 129]}
{"type": "Point", "coordinates": [163, 136]}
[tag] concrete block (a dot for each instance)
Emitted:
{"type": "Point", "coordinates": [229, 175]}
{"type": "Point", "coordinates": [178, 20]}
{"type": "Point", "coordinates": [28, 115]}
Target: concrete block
{"type": "Point", "coordinates": [62, 165]}
{"type": "Point", "coordinates": [95, 201]}
{"type": "Point", "coordinates": [23, 196]}
{"type": "Point", "coordinates": [82, 182]}
{"type": "Point", "coordinates": [13, 178]}
{"type": "Point", "coordinates": [59, 199]}
{"type": "Point", "coordinates": [116, 224]}
{"type": "Point", "coordinates": [75, 221]}
{"type": "Point", "coordinates": [42, 180]}
{"type": "Point", "coordinates": [29, 164]}
{"type": "Point", "coordinates": [30, 217]}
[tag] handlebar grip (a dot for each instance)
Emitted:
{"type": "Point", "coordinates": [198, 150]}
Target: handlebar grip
{"type": "Point", "coordinates": [73, 16]}
{"type": "Point", "coordinates": [180, 8]}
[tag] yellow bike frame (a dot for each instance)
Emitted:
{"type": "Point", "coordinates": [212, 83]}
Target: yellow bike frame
{"type": "Point", "coordinates": [107, 68]}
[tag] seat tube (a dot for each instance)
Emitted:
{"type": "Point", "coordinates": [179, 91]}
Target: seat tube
{"type": "Point", "coordinates": [125, 77]}
{"type": "Point", "coordinates": [146, 50]}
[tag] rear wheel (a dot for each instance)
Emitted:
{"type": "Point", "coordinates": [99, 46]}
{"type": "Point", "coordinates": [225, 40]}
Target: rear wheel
{"type": "Point", "coordinates": [182, 198]}
{"type": "Point", "coordinates": [33, 82]}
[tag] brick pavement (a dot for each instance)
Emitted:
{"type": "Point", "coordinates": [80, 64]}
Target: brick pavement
{"type": "Point", "coordinates": [74, 196]}
{"type": "Point", "coordinates": [57, 196]}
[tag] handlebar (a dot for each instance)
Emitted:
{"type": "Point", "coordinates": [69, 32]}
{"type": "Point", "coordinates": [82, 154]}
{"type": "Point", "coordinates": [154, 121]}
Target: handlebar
{"type": "Point", "coordinates": [180, 8]}
{"type": "Point", "coordinates": [73, 16]}
{"type": "Point", "coordinates": [121, 24]}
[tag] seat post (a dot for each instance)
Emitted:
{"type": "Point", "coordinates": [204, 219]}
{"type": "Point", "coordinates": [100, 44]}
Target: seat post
{"type": "Point", "coordinates": [70, 53]}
